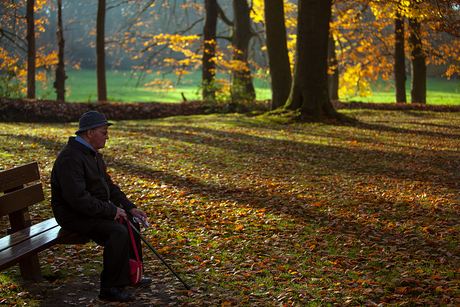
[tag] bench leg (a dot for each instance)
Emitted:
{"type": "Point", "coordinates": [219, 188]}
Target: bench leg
{"type": "Point", "coordinates": [30, 269]}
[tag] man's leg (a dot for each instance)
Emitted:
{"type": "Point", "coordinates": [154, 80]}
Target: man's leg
{"type": "Point", "coordinates": [116, 241]}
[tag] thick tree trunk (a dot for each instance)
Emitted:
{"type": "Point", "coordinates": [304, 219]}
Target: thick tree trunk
{"type": "Point", "coordinates": [418, 64]}
{"type": "Point", "coordinates": [31, 53]}
{"type": "Point", "coordinates": [209, 38]}
{"type": "Point", "coordinates": [309, 92]}
{"type": "Point", "coordinates": [242, 87]}
{"type": "Point", "coordinates": [400, 60]}
{"type": "Point", "coordinates": [100, 52]}
{"type": "Point", "coordinates": [278, 57]}
{"type": "Point", "coordinates": [59, 84]}
{"type": "Point", "coordinates": [333, 71]}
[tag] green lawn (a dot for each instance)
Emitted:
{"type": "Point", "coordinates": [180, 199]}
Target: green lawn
{"type": "Point", "coordinates": [121, 86]}
{"type": "Point", "coordinates": [439, 91]}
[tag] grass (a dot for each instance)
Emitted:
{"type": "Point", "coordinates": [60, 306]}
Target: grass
{"type": "Point", "coordinates": [255, 212]}
{"type": "Point", "coordinates": [439, 91]}
{"type": "Point", "coordinates": [121, 86]}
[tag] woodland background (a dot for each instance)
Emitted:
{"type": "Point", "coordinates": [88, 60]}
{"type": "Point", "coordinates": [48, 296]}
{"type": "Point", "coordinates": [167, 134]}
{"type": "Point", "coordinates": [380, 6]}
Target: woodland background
{"type": "Point", "coordinates": [343, 48]}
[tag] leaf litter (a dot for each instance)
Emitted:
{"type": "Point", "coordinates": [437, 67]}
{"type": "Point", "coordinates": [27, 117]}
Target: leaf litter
{"type": "Point", "coordinates": [256, 213]}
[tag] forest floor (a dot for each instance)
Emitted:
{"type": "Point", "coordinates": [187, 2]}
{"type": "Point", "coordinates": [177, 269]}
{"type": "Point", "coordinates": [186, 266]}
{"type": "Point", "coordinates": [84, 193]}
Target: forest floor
{"type": "Point", "coordinates": [84, 292]}
{"type": "Point", "coordinates": [261, 211]}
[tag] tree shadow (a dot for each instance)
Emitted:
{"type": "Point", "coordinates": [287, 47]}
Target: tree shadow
{"type": "Point", "coordinates": [330, 158]}
{"type": "Point", "coordinates": [385, 244]}
{"type": "Point", "coordinates": [355, 213]}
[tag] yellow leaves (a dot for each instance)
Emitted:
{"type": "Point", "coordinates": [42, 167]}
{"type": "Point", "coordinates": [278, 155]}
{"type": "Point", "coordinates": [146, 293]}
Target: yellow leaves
{"type": "Point", "coordinates": [8, 61]}
{"type": "Point", "coordinates": [13, 72]}
{"type": "Point", "coordinates": [352, 82]}
{"type": "Point", "coordinates": [175, 39]}
{"type": "Point", "coordinates": [290, 12]}
{"type": "Point", "coordinates": [163, 249]}
{"type": "Point", "coordinates": [194, 6]}
{"type": "Point", "coordinates": [45, 59]}
{"type": "Point", "coordinates": [39, 4]}
{"type": "Point", "coordinates": [160, 84]}
{"type": "Point", "coordinates": [391, 225]}
{"type": "Point", "coordinates": [257, 12]}
{"type": "Point", "coordinates": [39, 25]}
{"type": "Point", "coordinates": [237, 65]}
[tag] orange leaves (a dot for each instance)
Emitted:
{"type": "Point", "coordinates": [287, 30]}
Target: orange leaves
{"type": "Point", "coordinates": [256, 213]}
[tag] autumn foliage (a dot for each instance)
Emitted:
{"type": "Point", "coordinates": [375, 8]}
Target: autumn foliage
{"type": "Point", "coordinates": [165, 37]}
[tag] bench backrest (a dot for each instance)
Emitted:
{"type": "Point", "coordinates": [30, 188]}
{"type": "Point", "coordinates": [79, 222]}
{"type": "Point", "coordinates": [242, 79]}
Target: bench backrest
{"type": "Point", "coordinates": [19, 195]}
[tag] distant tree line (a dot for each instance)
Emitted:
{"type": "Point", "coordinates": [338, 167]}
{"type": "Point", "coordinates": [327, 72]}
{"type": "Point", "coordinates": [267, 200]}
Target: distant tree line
{"type": "Point", "coordinates": [313, 51]}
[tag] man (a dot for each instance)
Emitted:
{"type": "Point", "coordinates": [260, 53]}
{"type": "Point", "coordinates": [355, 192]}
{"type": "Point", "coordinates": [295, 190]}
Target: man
{"type": "Point", "coordinates": [86, 201]}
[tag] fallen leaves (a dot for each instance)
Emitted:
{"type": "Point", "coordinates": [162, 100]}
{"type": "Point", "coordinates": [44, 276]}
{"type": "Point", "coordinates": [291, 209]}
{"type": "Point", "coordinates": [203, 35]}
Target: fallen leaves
{"type": "Point", "coordinates": [31, 110]}
{"type": "Point", "coordinates": [255, 213]}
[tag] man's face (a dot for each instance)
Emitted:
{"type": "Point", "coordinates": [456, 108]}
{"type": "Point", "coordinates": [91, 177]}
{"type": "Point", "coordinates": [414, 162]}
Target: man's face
{"type": "Point", "coordinates": [98, 136]}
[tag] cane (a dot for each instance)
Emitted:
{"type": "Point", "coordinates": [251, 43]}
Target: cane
{"type": "Point", "coordinates": [187, 286]}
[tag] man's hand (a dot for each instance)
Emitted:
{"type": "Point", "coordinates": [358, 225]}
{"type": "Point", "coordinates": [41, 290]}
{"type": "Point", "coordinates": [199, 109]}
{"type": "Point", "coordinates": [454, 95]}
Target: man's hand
{"type": "Point", "coordinates": [139, 214]}
{"type": "Point", "coordinates": [120, 213]}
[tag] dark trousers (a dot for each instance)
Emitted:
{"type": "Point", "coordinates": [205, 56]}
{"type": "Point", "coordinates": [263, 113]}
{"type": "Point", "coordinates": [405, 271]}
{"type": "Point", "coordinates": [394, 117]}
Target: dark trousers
{"type": "Point", "coordinates": [117, 250]}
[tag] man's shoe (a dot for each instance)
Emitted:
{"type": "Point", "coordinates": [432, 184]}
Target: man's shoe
{"type": "Point", "coordinates": [115, 294]}
{"type": "Point", "coordinates": [144, 282]}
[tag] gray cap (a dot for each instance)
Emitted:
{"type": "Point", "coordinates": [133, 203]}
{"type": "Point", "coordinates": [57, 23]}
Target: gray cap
{"type": "Point", "coordinates": [91, 120]}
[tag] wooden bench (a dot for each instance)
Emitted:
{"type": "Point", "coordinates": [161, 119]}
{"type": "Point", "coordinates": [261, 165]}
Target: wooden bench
{"type": "Point", "coordinates": [24, 241]}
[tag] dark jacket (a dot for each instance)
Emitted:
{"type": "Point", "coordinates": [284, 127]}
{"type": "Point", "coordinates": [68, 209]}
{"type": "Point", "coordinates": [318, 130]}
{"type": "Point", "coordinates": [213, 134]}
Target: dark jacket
{"type": "Point", "coordinates": [80, 193]}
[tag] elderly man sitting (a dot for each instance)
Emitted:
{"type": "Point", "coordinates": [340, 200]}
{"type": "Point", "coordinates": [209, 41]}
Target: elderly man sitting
{"type": "Point", "coordinates": [85, 200]}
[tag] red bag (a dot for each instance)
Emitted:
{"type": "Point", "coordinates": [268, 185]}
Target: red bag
{"type": "Point", "coordinates": [135, 267]}
{"type": "Point", "coordinates": [135, 271]}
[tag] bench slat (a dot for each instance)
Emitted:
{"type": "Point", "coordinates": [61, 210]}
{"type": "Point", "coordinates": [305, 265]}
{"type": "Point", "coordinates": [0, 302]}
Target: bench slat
{"type": "Point", "coordinates": [22, 244]}
{"type": "Point", "coordinates": [27, 233]}
{"type": "Point", "coordinates": [16, 177]}
{"type": "Point", "coordinates": [21, 199]}
{"type": "Point", "coordinates": [25, 249]}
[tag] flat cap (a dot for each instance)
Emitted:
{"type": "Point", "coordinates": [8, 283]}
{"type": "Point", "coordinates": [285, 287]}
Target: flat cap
{"type": "Point", "coordinates": [91, 120]}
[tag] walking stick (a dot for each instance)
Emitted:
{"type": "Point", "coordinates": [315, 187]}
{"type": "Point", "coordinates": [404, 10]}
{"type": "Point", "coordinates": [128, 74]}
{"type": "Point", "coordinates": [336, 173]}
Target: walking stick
{"type": "Point", "coordinates": [187, 286]}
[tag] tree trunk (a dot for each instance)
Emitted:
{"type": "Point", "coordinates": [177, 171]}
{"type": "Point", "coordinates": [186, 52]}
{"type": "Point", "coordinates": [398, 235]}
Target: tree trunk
{"type": "Point", "coordinates": [59, 84]}
{"type": "Point", "coordinates": [100, 52]}
{"type": "Point", "coordinates": [333, 71]}
{"type": "Point", "coordinates": [31, 53]}
{"type": "Point", "coordinates": [418, 65]}
{"type": "Point", "coordinates": [209, 38]}
{"type": "Point", "coordinates": [309, 92]}
{"type": "Point", "coordinates": [278, 56]}
{"type": "Point", "coordinates": [242, 87]}
{"type": "Point", "coordinates": [400, 60]}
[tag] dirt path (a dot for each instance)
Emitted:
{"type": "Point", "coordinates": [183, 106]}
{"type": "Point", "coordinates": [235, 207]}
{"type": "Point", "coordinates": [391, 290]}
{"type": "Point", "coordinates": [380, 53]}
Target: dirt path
{"type": "Point", "coordinates": [164, 291]}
